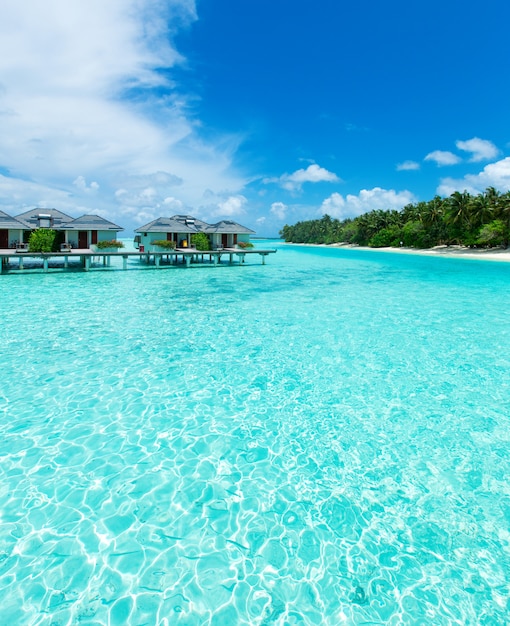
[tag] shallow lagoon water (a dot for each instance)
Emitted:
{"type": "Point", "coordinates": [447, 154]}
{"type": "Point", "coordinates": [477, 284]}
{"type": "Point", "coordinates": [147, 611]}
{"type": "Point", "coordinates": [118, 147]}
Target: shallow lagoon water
{"type": "Point", "coordinates": [321, 440]}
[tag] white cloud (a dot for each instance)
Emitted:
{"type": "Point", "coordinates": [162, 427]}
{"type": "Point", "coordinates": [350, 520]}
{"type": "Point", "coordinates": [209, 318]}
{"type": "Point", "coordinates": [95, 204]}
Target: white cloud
{"type": "Point", "coordinates": [495, 175]}
{"type": "Point", "coordinates": [67, 116]}
{"type": "Point", "coordinates": [367, 200]}
{"type": "Point", "coordinates": [81, 184]}
{"type": "Point", "coordinates": [481, 149]}
{"type": "Point", "coordinates": [141, 197]}
{"type": "Point", "coordinates": [312, 174]}
{"type": "Point", "coordinates": [150, 190]}
{"type": "Point", "coordinates": [141, 216]}
{"type": "Point", "coordinates": [408, 165]}
{"type": "Point", "coordinates": [443, 157]}
{"type": "Point", "coordinates": [146, 195]}
{"type": "Point", "coordinates": [231, 207]}
{"type": "Point", "coordinates": [279, 210]}
{"type": "Point", "coordinates": [173, 204]}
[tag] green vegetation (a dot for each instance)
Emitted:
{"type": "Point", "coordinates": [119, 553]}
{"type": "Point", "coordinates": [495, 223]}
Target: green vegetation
{"type": "Point", "coordinates": [42, 240]}
{"type": "Point", "coordinates": [460, 219]}
{"type": "Point", "coordinates": [114, 243]}
{"type": "Point", "coordinates": [164, 243]}
{"type": "Point", "coordinates": [201, 242]}
{"type": "Point", "coordinates": [244, 244]}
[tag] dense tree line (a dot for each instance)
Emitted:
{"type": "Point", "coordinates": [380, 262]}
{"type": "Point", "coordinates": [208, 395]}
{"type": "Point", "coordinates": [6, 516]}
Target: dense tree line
{"type": "Point", "coordinates": [463, 219]}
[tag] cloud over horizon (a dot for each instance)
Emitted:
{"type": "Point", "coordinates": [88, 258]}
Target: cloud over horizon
{"type": "Point", "coordinates": [232, 206]}
{"type": "Point", "coordinates": [279, 210]}
{"type": "Point", "coordinates": [495, 175]}
{"type": "Point", "coordinates": [367, 200]}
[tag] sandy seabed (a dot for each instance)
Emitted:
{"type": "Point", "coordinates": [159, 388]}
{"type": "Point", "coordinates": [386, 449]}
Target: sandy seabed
{"type": "Point", "coordinates": [490, 254]}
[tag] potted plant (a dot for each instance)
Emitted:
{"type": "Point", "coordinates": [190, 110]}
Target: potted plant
{"type": "Point", "coordinates": [107, 246]}
{"type": "Point", "coordinates": [163, 245]}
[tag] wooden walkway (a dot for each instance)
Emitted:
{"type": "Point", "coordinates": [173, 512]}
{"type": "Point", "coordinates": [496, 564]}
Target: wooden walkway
{"type": "Point", "coordinates": [86, 259]}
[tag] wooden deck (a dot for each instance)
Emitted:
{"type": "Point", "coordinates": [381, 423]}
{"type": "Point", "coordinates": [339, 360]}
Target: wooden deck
{"type": "Point", "coordinates": [86, 259]}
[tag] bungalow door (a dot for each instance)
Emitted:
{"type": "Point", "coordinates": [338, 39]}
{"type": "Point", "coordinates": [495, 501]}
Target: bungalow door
{"type": "Point", "coordinates": [83, 239]}
{"type": "Point", "coordinates": [4, 238]}
{"type": "Point", "coordinates": [224, 240]}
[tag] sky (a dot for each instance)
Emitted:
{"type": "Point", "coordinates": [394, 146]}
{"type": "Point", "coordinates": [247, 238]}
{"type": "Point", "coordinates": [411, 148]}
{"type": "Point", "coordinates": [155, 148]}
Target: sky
{"type": "Point", "coordinates": [266, 112]}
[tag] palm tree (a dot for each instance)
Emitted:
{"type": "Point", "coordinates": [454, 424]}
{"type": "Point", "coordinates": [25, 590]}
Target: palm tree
{"type": "Point", "coordinates": [482, 210]}
{"type": "Point", "coordinates": [493, 196]}
{"type": "Point", "coordinates": [457, 207]}
{"type": "Point", "coordinates": [410, 213]}
{"type": "Point", "coordinates": [457, 214]}
{"type": "Point", "coordinates": [433, 212]}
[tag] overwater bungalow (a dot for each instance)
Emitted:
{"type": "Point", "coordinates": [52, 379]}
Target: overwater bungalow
{"type": "Point", "coordinates": [81, 232]}
{"type": "Point", "coordinates": [88, 230]}
{"type": "Point", "coordinates": [181, 228]}
{"type": "Point", "coordinates": [228, 234]}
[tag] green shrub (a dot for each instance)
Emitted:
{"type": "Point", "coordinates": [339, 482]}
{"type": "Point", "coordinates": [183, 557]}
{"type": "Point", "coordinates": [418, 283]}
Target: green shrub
{"type": "Point", "coordinates": [386, 237]}
{"type": "Point", "coordinates": [42, 240]}
{"type": "Point", "coordinates": [416, 235]}
{"type": "Point", "coordinates": [245, 244]}
{"type": "Point", "coordinates": [114, 243]}
{"type": "Point", "coordinates": [201, 242]}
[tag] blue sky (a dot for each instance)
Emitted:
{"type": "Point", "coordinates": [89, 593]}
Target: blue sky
{"type": "Point", "coordinates": [265, 112]}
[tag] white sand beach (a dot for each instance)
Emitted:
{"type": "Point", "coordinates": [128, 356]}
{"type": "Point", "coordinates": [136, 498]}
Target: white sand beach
{"type": "Point", "coordinates": [490, 254]}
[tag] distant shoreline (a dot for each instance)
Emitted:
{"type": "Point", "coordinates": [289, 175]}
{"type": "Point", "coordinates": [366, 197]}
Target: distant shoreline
{"type": "Point", "coordinates": [491, 254]}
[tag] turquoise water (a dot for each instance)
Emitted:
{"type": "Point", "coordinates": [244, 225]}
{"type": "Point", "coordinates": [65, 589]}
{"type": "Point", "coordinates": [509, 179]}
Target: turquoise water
{"type": "Point", "coordinates": [321, 440]}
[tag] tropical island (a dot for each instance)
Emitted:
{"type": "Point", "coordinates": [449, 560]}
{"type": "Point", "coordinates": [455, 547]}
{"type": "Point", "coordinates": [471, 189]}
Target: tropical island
{"type": "Point", "coordinates": [462, 219]}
